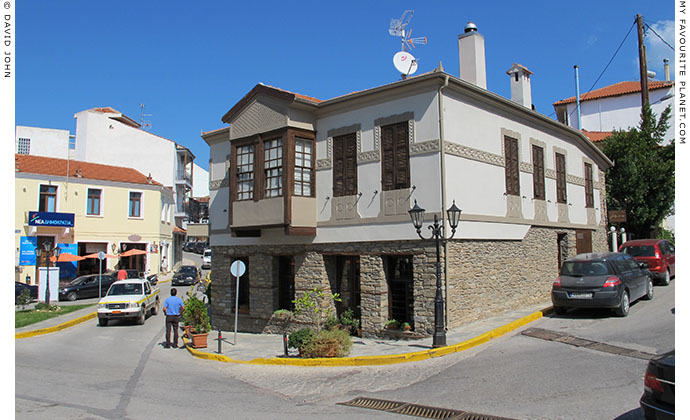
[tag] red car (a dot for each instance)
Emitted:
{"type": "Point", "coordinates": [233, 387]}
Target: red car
{"type": "Point", "coordinates": [659, 254]}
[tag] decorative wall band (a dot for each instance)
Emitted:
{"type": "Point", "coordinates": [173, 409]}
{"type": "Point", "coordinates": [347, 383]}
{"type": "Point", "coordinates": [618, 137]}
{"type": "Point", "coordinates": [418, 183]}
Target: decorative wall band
{"type": "Point", "coordinates": [322, 164]}
{"type": "Point", "coordinates": [526, 167]}
{"type": "Point", "coordinates": [575, 180]}
{"type": "Point", "coordinates": [214, 185]}
{"type": "Point", "coordinates": [474, 154]}
{"type": "Point", "coordinates": [431, 146]}
{"type": "Point", "coordinates": [370, 156]}
{"type": "Point", "coordinates": [550, 173]}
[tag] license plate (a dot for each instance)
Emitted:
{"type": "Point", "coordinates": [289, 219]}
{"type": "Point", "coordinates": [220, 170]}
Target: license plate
{"type": "Point", "coordinates": [117, 312]}
{"type": "Point", "coordinates": [574, 295]}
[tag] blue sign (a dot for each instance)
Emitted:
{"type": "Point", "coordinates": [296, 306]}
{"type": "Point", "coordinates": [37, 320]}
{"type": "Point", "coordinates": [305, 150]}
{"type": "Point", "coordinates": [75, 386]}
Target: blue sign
{"type": "Point", "coordinates": [44, 218]}
{"type": "Point", "coordinates": [27, 250]}
{"type": "Point", "coordinates": [68, 269]}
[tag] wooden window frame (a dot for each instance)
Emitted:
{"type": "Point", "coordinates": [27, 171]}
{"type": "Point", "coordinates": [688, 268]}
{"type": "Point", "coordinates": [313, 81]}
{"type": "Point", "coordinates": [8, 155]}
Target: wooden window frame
{"type": "Point", "coordinates": [345, 165]}
{"type": "Point", "coordinates": [139, 201]}
{"type": "Point", "coordinates": [395, 157]}
{"type": "Point", "coordinates": [561, 182]}
{"type": "Point", "coordinates": [91, 198]}
{"type": "Point", "coordinates": [538, 174]}
{"type": "Point", "coordinates": [512, 165]}
{"type": "Point", "coordinates": [250, 167]}
{"type": "Point", "coordinates": [273, 167]}
{"type": "Point", "coordinates": [45, 193]}
{"type": "Point", "coordinates": [307, 167]}
{"type": "Point", "coordinates": [589, 186]}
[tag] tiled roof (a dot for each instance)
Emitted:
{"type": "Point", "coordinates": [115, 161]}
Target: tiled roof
{"type": "Point", "coordinates": [305, 97]}
{"type": "Point", "coordinates": [620, 88]}
{"type": "Point", "coordinates": [86, 170]}
{"type": "Point", "coordinates": [596, 136]}
{"type": "Point", "coordinates": [178, 230]}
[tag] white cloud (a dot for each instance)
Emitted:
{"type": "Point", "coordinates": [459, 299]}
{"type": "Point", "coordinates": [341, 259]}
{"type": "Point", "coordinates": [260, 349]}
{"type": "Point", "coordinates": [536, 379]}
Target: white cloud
{"type": "Point", "coordinates": [657, 50]}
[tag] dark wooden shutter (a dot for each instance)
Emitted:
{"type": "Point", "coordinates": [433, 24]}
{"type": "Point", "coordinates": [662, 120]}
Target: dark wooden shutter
{"type": "Point", "coordinates": [512, 166]}
{"type": "Point", "coordinates": [561, 194]}
{"type": "Point", "coordinates": [395, 157]}
{"type": "Point", "coordinates": [345, 165]}
{"type": "Point", "coordinates": [538, 172]}
{"type": "Point", "coordinates": [589, 186]}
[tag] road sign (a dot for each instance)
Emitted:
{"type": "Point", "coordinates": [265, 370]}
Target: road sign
{"type": "Point", "coordinates": [238, 268]}
{"type": "Point", "coordinates": [617, 216]}
{"type": "Point", "coordinates": [101, 255]}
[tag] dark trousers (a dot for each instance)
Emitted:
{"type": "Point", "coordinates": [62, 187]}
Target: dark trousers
{"type": "Point", "coordinates": [172, 322]}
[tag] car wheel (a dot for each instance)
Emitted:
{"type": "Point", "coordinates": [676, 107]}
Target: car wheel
{"type": "Point", "coordinates": [154, 310]}
{"type": "Point", "coordinates": [142, 317]}
{"type": "Point", "coordinates": [650, 290]}
{"type": "Point", "coordinates": [103, 322]}
{"type": "Point", "coordinates": [666, 280]}
{"type": "Point", "coordinates": [624, 308]}
{"type": "Point", "coordinates": [560, 310]}
{"type": "Point", "coordinates": [72, 296]}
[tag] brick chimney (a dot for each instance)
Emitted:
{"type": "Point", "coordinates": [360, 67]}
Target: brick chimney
{"type": "Point", "coordinates": [472, 60]}
{"type": "Point", "coordinates": [520, 86]}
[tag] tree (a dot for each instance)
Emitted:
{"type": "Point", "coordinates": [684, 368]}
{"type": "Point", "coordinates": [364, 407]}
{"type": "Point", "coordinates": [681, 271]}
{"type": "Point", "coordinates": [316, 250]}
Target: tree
{"type": "Point", "coordinates": [642, 180]}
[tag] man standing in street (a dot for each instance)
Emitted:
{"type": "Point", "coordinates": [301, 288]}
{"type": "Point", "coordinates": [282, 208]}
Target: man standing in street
{"type": "Point", "coordinates": [172, 308]}
{"type": "Point", "coordinates": [122, 274]}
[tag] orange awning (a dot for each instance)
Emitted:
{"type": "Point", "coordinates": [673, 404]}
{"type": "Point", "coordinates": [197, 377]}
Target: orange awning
{"type": "Point", "coordinates": [65, 257]}
{"type": "Point", "coordinates": [95, 255]}
{"type": "Point", "coordinates": [131, 252]}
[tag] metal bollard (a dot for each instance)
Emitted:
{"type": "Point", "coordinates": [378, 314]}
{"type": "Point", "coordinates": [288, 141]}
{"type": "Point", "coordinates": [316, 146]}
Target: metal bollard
{"type": "Point", "coordinates": [285, 343]}
{"type": "Point", "coordinates": [220, 340]}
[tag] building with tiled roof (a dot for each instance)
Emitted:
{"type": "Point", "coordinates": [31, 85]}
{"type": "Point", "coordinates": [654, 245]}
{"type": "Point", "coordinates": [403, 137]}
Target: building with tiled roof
{"type": "Point", "coordinates": [615, 107]}
{"type": "Point", "coordinates": [313, 193]}
{"type": "Point", "coordinates": [86, 208]}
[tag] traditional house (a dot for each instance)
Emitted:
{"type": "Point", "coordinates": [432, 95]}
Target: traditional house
{"type": "Point", "coordinates": [315, 193]}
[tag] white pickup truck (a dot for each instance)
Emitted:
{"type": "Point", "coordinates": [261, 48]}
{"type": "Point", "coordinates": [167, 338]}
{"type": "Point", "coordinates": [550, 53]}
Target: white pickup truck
{"type": "Point", "coordinates": [130, 298]}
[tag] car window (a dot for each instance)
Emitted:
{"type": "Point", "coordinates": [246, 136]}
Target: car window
{"type": "Point", "coordinates": [621, 265]}
{"type": "Point", "coordinates": [584, 268]}
{"type": "Point", "coordinates": [147, 288]}
{"type": "Point", "coordinates": [639, 250]}
{"type": "Point", "coordinates": [124, 289]}
{"type": "Point", "coordinates": [671, 248]}
{"type": "Point", "coordinates": [634, 265]}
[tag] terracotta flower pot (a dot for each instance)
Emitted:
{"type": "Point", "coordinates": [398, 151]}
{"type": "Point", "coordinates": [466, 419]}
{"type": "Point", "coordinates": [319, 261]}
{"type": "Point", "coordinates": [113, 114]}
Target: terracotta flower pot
{"type": "Point", "coordinates": [199, 340]}
{"type": "Point", "coordinates": [188, 330]}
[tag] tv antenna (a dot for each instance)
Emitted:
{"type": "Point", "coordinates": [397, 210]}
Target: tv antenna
{"type": "Point", "coordinates": [398, 27]}
{"type": "Point", "coordinates": [144, 124]}
{"type": "Point", "coordinates": [403, 60]}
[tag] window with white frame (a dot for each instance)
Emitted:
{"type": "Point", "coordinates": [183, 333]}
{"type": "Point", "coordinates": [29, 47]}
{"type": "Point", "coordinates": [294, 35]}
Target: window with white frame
{"type": "Point", "coordinates": [245, 172]}
{"type": "Point", "coordinates": [24, 146]}
{"type": "Point", "coordinates": [135, 199]}
{"type": "Point", "coordinates": [304, 167]}
{"type": "Point", "coordinates": [273, 167]}
{"type": "Point", "coordinates": [93, 201]}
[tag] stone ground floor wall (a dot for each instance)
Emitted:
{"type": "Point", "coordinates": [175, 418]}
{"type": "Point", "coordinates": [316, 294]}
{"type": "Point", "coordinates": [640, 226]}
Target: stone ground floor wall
{"type": "Point", "coordinates": [484, 278]}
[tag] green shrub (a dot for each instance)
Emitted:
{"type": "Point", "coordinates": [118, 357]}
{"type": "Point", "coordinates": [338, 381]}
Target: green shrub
{"type": "Point", "coordinates": [23, 299]}
{"type": "Point", "coordinates": [332, 322]}
{"type": "Point", "coordinates": [328, 343]}
{"type": "Point", "coordinates": [310, 305]}
{"type": "Point", "coordinates": [196, 315]}
{"type": "Point", "coordinates": [298, 339]}
{"type": "Point", "coordinates": [348, 319]}
{"type": "Point", "coordinates": [42, 306]}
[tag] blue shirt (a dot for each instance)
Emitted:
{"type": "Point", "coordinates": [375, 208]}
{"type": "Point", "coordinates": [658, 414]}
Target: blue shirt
{"type": "Point", "coordinates": [172, 305]}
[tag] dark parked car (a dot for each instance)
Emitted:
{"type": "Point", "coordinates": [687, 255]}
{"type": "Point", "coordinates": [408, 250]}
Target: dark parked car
{"type": "Point", "coordinates": [188, 246]}
{"type": "Point", "coordinates": [659, 398]}
{"type": "Point", "coordinates": [153, 279]}
{"type": "Point", "coordinates": [607, 280]}
{"type": "Point", "coordinates": [199, 247]}
{"type": "Point", "coordinates": [20, 287]}
{"type": "Point", "coordinates": [658, 254]}
{"type": "Point", "coordinates": [186, 275]}
{"type": "Point", "coordinates": [86, 286]}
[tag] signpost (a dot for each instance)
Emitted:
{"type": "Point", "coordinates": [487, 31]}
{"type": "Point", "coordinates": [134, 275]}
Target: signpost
{"type": "Point", "coordinates": [617, 216]}
{"type": "Point", "coordinates": [101, 257]}
{"type": "Point", "coordinates": [237, 269]}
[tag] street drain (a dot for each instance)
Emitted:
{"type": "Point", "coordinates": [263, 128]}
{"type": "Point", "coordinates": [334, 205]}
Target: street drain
{"type": "Point", "coordinates": [588, 344]}
{"type": "Point", "coordinates": [417, 410]}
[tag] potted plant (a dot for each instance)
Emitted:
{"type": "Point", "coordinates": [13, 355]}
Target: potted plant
{"type": "Point", "coordinates": [196, 317]}
{"type": "Point", "coordinates": [392, 324]}
{"type": "Point", "coordinates": [406, 326]}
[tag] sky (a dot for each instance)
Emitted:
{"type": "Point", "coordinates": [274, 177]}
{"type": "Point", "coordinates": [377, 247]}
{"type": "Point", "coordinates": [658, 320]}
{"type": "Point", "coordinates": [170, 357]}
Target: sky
{"type": "Point", "coordinates": [190, 65]}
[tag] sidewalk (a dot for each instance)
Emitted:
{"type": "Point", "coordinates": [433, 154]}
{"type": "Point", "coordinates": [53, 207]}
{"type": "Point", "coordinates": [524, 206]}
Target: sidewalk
{"type": "Point", "coordinates": [267, 349]}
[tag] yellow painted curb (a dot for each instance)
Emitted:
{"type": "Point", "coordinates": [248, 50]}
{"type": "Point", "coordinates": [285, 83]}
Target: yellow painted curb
{"type": "Point", "coordinates": [378, 360]}
{"type": "Point", "coordinates": [56, 328]}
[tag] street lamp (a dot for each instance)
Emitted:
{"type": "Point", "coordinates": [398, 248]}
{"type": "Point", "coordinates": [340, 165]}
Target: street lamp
{"type": "Point", "coordinates": [437, 232]}
{"type": "Point", "coordinates": [48, 251]}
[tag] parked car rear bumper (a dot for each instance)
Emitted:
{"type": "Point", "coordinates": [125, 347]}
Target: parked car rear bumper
{"type": "Point", "coordinates": [600, 299]}
{"type": "Point", "coordinates": [653, 409]}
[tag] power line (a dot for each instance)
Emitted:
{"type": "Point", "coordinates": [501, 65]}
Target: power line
{"type": "Point", "coordinates": [662, 39]}
{"type": "Point", "coordinates": [607, 65]}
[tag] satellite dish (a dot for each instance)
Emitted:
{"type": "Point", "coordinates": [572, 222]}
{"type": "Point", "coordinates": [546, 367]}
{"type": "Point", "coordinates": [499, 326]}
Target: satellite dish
{"type": "Point", "coordinates": [405, 63]}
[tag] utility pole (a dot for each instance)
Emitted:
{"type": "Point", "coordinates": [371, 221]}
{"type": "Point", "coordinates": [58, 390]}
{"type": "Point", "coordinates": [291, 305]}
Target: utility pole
{"type": "Point", "coordinates": [643, 62]}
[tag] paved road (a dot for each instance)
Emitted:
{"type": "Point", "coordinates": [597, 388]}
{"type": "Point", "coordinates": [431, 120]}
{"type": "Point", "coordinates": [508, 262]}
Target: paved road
{"type": "Point", "coordinates": [122, 371]}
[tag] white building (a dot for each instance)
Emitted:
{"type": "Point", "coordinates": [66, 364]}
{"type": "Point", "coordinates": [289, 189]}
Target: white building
{"type": "Point", "coordinates": [616, 107]}
{"type": "Point", "coordinates": [46, 142]}
{"type": "Point", "coordinates": [312, 193]}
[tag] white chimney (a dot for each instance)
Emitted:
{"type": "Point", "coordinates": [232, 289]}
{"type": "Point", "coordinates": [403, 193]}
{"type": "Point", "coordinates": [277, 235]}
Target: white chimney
{"type": "Point", "coordinates": [667, 72]}
{"type": "Point", "coordinates": [520, 86]}
{"type": "Point", "coordinates": [472, 61]}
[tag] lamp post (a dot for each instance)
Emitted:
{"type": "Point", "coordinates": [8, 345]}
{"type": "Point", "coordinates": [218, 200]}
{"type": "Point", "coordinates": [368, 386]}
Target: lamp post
{"type": "Point", "coordinates": [437, 233]}
{"type": "Point", "coordinates": [48, 251]}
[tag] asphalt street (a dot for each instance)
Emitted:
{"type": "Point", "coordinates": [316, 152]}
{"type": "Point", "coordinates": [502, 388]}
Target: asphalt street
{"type": "Point", "coordinates": [123, 372]}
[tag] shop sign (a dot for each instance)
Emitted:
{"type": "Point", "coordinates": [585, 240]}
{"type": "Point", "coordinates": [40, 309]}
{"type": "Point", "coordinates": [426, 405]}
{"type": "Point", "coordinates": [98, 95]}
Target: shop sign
{"type": "Point", "coordinates": [44, 218]}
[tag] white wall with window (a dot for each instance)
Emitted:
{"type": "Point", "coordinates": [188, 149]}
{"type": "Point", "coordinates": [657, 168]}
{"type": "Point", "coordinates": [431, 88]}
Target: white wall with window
{"type": "Point", "coordinates": [46, 142]}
